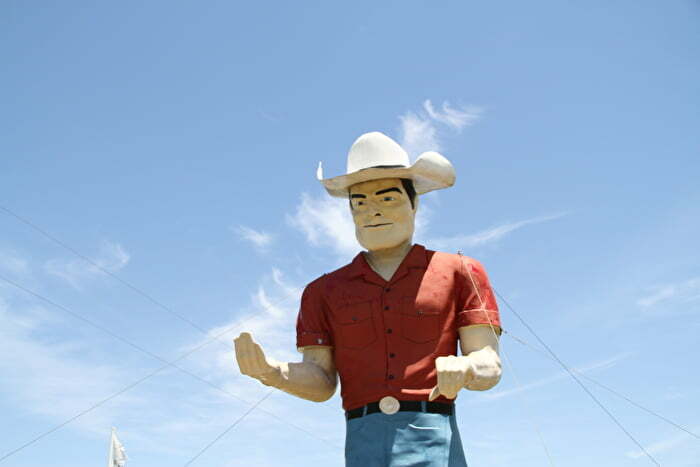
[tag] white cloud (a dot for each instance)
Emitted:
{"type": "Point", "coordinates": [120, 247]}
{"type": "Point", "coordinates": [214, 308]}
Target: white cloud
{"type": "Point", "coordinates": [455, 118]}
{"type": "Point", "coordinates": [261, 240]}
{"type": "Point", "coordinates": [418, 134]}
{"type": "Point", "coordinates": [271, 320]}
{"type": "Point", "coordinates": [60, 375]}
{"type": "Point", "coordinates": [12, 263]}
{"type": "Point", "coordinates": [327, 222]}
{"type": "Point", "coordinates": [607, 363]}
{"type": "Point", "coordinates": [492, 235]}
{"type": "Point", "coordinates": [111, 257]}
{"type": "Point", "coordinates": [685, 291]}
{"type": "Point", "coordinates": [663, 445]}
{"type": "Point", "coordinates": [420, 130]}
{"type": "Point", "coordinates": [52, 377]}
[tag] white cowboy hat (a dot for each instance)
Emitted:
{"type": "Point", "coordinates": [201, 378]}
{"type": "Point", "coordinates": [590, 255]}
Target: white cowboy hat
{"type": "Point", "coordinates": [374, 155]}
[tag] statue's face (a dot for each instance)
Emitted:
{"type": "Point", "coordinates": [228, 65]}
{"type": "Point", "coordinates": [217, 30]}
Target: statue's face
{"type": "Point", "coordinates": [382, 213]}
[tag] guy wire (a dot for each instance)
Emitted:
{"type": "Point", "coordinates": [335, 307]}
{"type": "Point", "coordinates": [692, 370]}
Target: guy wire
{"type": "Point", "coordinates": [607, 388]}
{"type": "Point", "coordinates": [508, 361]}
{"type": "Point", "coordinates": [600, 404]}
{"type": "Point", "coordinates": [229, 428]}
{"type": "Point", "coordinates": [153, 373]}
{"type": "Point", "coordinates": [106, 271]}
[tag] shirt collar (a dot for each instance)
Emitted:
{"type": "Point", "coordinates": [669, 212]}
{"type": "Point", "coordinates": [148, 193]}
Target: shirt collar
{"type": "Point", "coordinates": [416, 258]}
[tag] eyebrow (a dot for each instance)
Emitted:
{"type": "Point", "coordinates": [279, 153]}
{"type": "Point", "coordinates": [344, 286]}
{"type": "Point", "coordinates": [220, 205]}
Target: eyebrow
{"type": "Point", "coordinates": [387, 190]}
{"type": "Point", "coordinates": [380, 192]}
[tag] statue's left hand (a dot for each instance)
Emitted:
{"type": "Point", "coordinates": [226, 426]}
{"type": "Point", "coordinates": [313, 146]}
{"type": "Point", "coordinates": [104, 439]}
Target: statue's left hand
{"type": "Point", "coordinates": [478, 371]}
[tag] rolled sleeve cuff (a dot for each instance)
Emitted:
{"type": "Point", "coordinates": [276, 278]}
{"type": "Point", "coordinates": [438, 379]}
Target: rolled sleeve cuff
{"type": "Point", "coordinates": [306, 338]}
{"type": "Point", "coordinates": [479, 316]}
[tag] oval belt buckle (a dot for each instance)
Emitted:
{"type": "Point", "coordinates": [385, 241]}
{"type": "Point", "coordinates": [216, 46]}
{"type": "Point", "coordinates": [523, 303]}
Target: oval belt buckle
{"type": "Point", "coordinates": [389, 405]}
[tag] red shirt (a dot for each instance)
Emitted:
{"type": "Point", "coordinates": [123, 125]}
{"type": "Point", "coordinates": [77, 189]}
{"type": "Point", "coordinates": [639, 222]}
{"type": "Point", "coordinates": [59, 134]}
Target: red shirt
{"type": "Point", "coordinates": [386, 335]}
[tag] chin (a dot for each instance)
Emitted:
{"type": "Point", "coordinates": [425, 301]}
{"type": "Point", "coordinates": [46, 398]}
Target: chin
{"type": "Point", "coordinates": [376, 242]}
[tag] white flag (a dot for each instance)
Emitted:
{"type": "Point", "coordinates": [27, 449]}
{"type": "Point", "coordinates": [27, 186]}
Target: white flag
{"type": "Point", "coordinates": [117, 454]}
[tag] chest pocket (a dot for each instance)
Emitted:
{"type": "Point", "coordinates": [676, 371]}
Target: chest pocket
{"type": "Point", "coordinates": [419, 324]}
{"type": "Point", "coordinates": [354, 324]}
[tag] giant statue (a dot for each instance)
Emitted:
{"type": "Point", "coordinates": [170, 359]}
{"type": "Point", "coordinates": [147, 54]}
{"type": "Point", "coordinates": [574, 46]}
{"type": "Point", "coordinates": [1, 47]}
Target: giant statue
{"type": "Point", "coordinates": [390, 323]}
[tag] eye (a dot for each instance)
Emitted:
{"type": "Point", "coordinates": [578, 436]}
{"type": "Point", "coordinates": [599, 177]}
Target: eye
{"type": "Point", "coordinates": [388, 198]}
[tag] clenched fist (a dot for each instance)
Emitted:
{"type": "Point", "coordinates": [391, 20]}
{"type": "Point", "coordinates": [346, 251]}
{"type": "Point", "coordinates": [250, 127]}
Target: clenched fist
{"type": "Point", "coordinates": [252, 362]}
{"type": "Point", "coordinates": [478, 371]}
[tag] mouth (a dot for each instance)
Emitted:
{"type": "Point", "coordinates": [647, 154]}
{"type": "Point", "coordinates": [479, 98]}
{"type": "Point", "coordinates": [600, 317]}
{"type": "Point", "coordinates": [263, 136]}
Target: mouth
{"type": "Point", "coordinates": [377, 225]}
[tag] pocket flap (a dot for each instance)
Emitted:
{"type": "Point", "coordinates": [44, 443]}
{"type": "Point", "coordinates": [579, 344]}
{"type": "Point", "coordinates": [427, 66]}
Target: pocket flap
{"type": "Point", "coordinates": [354, 311]}
{"type": "Point", "coordinates": [409, 306]}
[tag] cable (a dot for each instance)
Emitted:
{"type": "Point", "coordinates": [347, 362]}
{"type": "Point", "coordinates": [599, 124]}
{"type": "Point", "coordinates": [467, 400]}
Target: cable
{"type": "Point", "coordinates": [607, 388]}
{"type": "Point", "coordinates": [104, 270]}
{"type": "Point", "coordinates": [612, 417]}
{"type": "Point", "coordinates": [228, 429]}
{"type": "Point", "coordinates": [508, 361]}
{"type": "Point", "coordinates": [194, 325]}
{"type": "Point", "coordinates": [139, 381]}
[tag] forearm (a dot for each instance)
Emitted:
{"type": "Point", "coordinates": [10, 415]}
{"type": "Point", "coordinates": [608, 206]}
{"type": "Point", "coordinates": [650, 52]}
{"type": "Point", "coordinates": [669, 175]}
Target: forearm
{"type": "Point", "coordinates": [486, 365]}
{"type": "Point", "coordinates": [306, 380]}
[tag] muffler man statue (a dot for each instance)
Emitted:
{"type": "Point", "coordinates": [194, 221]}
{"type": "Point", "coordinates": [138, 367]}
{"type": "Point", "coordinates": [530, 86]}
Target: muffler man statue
{"type": "Point", "coordinates": [389, 323]}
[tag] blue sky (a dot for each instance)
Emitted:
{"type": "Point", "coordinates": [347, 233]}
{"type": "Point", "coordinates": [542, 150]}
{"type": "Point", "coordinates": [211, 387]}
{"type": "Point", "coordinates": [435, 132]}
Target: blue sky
{"type": "Point", "coordinates": [175, 144]}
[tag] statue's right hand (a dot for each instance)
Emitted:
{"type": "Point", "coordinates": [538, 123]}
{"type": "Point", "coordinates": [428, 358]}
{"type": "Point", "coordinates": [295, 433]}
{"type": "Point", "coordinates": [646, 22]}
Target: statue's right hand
{"type": "Point", "coordinates": [251, 359]}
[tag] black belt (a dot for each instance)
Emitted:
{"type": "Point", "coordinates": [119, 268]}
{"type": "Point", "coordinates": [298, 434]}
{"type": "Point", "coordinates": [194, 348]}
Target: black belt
{"type": "Point", "coordinates": [404, 406]}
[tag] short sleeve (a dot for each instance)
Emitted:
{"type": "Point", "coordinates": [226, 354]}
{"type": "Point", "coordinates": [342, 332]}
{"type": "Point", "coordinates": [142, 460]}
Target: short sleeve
{"type": "Point", "coordinates": [477, 301]}
{"type": "Point", "coordinates": [312, 322]}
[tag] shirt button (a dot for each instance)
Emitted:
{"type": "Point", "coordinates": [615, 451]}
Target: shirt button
{"type": "Point", "coordinates": [386, 307]}
{"type": "Point", "coordinates": [391, 376]}
{"type": "Point", "coordinates": [392, 355]}
{"type": "Point", "coordinates": [388, 331]}
{"type": "Point", "coordinates": [388, 289]}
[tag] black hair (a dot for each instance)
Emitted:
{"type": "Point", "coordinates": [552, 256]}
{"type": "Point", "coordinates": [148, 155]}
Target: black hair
{"type": "Point", "coordinates": [410, 190]}
{"type": "Point", "coordinates": [408, 187]}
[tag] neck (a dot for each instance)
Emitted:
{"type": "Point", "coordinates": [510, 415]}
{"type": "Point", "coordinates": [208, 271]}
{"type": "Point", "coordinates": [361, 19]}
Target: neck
{"type": "Point", "coordinates": [394, 254]}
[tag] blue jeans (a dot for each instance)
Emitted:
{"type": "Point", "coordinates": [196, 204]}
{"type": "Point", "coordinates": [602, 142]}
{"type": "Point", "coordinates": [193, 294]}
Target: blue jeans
{"type": "Point", "coordinates": [415, 439]}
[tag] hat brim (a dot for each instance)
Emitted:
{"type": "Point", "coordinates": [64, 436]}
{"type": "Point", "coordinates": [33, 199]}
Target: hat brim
{"type": "Point", "coordinates": [431, 171]}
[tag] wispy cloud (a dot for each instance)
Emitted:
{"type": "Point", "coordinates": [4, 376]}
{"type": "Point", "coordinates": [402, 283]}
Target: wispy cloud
{"type": "Point", "coordinates": [420, 130]}
{"type": "Point", "coordinates": [326, 222]}
{"type": "Point", "coordinates": [52, 377]}
{"type": "Point", "coordinates": [685, 291]}
{"type": "Point", "coordinates": [454, 118]}
{"type": "Point", "coordinates": [260, 239]}
{"type": "Point", "coordinates": [12, 263]}
{"type": "Point", "coordinates": [492, 235]}
{"type": "Point", "coordinates": [663, 445]}
{"type": "Point", "coordinates": [270, 116]}
{"type": "Point", "coordinates": [56, 379]}
{"type": "Point", "coordinates": [111, 257]}
{"type": "Point", "coordinates": [603, 364]}
{"type": "Point", "coordinates": [271, 320]}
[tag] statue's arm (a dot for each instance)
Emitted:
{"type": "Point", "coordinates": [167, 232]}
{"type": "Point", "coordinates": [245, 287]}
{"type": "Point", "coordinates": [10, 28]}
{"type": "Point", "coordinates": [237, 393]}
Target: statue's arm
{"type": "Point", "coordinates": [477, 369]}
{"type": "Point", "coordinates": [479, 344]}
{"type": "Point", "coordinates": [314, 378]}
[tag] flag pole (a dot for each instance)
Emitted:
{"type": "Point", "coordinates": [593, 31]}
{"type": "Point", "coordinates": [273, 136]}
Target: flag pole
{"type": "Point", "coordinates": [111, 449]}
